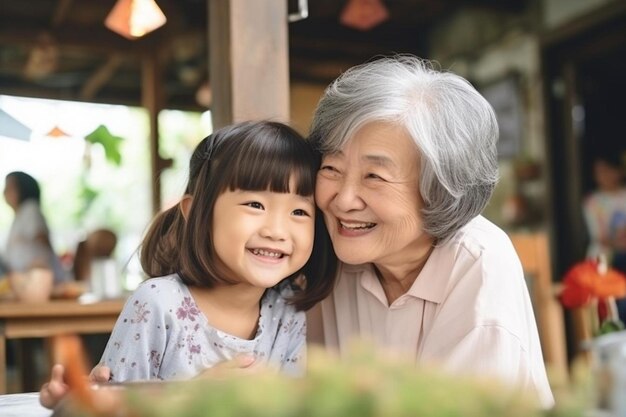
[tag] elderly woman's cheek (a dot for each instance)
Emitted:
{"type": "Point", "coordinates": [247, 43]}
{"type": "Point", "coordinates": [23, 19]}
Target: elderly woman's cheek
{"type": "Point", "coordinates": [407, 224]}
{"type": "Point", "coordinates": [324, 188]}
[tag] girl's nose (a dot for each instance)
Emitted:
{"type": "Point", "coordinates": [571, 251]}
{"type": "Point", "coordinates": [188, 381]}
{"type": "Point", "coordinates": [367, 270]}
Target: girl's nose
{"type": "Point", "coordinates": [275, 228]}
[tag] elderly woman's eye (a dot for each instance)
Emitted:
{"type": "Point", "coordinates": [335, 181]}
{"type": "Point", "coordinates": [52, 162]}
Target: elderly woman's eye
{"type": "Point", "coordinates": [329, 171]}
{"type": "Point", "coordinates": [371, 175]}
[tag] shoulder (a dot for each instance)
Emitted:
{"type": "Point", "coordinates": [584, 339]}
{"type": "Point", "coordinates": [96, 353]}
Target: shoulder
{"type": "Point", "coordinates": [480, 242]}
{"type": "Point", "coordinates": [161, 284]}
{"type": "Point", "coordinates": [157, 291]}
{"type": "Point", "coordinates": [29, 209]}
{"type": "Point", "coordinates": [484, 272]}
{"type": "Point", "coordinates": [31, 206]}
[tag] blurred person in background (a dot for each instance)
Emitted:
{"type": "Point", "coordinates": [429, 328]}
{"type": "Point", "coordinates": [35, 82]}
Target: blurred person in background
{"type": "Point", "coordinates": [605, 214]}
{"type": "Point", "coordinates": [28, 244]}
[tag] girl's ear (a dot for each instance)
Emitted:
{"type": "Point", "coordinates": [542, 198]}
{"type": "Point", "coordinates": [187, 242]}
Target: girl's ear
{"type": "Point", "coordinates": [185, 205]}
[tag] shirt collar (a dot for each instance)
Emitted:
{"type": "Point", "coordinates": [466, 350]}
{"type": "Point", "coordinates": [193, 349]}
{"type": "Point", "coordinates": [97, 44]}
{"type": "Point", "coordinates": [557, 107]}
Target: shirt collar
{"type": "Point", "coordinates": [431, 283]}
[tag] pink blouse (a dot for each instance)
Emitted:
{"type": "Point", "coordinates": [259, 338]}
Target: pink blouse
{"type": "Point", "coordinates": [468, 311]}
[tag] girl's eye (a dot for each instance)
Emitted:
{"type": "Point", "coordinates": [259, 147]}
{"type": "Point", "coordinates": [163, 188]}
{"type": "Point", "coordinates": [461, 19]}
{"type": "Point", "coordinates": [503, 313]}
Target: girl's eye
{"type": "Point", "coordinates": [300, 212]}
{"type": "Point", "coordinates": [255, 205]}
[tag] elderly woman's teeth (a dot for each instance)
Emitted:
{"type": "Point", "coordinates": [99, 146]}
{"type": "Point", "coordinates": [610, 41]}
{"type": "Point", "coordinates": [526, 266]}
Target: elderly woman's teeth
{"type": "Point", "coordinates": [357, 226]}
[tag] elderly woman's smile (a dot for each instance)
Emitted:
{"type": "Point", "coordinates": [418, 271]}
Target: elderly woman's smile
{"type": "Point", "coordinates": [354, 228]}
{"type": "Point", "coordinates": [368, 193]}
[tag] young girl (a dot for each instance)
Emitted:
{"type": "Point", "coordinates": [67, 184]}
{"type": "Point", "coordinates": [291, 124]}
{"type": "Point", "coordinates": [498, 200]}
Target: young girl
{"type": "Point", "coordinates": [225, 261]}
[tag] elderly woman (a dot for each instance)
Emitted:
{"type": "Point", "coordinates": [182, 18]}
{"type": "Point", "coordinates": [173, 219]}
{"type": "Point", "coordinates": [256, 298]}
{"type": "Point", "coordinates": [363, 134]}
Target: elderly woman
{"type": "Point", "coordinates": [409, 162]}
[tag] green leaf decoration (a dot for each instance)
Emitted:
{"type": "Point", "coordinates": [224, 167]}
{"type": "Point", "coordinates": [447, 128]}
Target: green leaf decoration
{"type": "Point", "coordinates": [610, 326]}
{"type": "Point", "coordinates": [109, 142]}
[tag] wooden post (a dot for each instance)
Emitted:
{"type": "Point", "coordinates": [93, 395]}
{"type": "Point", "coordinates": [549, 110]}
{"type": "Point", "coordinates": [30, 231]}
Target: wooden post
{"type": "Point", "coordinates": [152, 100]}
{"type": "Point", "coordinates": [249, 60]}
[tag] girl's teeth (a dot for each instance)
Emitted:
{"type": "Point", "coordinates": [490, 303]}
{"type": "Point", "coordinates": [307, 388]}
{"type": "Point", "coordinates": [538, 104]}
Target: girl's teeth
{"type": "Point", "coordinates": [262, 252]}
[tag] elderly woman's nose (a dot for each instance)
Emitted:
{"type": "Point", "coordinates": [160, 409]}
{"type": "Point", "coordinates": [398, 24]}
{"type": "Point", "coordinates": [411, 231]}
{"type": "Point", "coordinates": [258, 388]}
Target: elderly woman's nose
{"type": "Point", "coordinates": [347, 196]}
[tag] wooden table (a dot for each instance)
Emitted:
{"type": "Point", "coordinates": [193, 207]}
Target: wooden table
{"type": "Point", "coordinates": [56, 317]}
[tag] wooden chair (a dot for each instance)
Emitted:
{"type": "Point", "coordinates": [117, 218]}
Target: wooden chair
{"type": "Point", "coordinates": [533, 250]}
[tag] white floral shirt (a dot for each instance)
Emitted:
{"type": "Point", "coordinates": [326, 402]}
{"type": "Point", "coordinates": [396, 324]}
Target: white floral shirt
{"type": "Point", "coordinates": [162, 334]}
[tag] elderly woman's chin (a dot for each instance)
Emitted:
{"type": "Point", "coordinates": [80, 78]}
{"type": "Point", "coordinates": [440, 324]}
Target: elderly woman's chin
{"type": "Point", "coordinates": [355, 250]}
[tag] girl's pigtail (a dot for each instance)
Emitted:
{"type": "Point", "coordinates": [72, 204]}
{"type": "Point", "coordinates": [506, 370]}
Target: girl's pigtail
{"type": "Point", "coordinates": [160, 247]}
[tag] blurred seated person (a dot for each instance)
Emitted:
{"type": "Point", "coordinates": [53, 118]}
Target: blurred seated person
{"type": "Point", "coordinates": [98, 244]}
{"type": "Point", "coordinates": [28, 244]}
{"type": "Point", "coordinates": [605, 214]}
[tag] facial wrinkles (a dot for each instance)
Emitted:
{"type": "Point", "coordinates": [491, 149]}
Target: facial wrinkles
{"type": "Point", "coordinates": [405, 215]}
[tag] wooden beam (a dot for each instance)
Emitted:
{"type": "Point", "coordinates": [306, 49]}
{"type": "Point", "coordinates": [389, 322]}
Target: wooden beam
{"type": "Point", "coordinates": [248, 51]}
{"type": "Point", "coordinates": [152, 99]}
{"type": "Point", "coordinates": [220, 78]}
{"type": "Point", "coordinates": [58, 16]}
{"type": "Point", "coordinates": [100, 77]}
{"type": "Point", "coordinates": [97, 40]}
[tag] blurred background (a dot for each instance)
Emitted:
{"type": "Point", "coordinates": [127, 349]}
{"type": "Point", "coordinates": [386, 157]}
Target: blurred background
{"type": "Point", "coordinates": [78, 108]}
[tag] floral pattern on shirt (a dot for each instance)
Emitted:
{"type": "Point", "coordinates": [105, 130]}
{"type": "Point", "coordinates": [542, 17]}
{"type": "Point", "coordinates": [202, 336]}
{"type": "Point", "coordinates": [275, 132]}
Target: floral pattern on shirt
{"type": "Point", "coordinates": [188, 309]}
{"type": "Point", "coordinates": [162, 334]}
{"type": "Point", "coordinates": [141, 312]}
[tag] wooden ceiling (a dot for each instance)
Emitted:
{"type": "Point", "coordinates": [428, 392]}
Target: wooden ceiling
{"type": "Point", "coordinates": [61, 49]}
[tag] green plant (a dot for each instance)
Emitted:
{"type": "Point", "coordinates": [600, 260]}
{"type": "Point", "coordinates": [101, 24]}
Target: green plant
{"type": "Point", "coordinates": [101, 136]}
{"type": "Point", "coordinates": [365, 385]}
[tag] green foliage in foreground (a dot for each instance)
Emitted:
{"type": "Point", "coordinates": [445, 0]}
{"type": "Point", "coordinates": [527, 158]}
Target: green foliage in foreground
{"type": "Point", "coordinates": [367, 385]}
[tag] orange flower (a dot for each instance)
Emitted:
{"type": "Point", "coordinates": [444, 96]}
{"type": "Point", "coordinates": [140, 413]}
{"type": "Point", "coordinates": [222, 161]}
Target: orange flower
{"type": "Point", "coordinates": [583, 282]}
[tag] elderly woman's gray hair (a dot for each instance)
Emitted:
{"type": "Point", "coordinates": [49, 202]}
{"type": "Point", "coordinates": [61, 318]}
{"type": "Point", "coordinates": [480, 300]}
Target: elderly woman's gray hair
{"type": "Point", "coordinates": [453, 126]}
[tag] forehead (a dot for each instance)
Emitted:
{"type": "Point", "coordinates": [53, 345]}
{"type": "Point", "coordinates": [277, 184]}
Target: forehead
{"type": "Point", "coordinates": [287, 196]}
{"type": "Point", "coordinates": [381, 144]}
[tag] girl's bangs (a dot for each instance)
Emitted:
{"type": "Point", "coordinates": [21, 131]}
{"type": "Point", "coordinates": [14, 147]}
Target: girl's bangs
{"type": "Point", "coordinates": [270, 164]}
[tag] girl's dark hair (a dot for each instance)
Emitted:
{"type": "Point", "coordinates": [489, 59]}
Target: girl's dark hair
{"type": "Point", "coordinates": [27, 186]}
{"type": "Point", "coordinates": [251, 156]}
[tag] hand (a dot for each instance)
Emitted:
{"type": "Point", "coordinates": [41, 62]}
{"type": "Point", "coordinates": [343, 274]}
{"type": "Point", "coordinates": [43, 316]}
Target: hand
{"type": "Point", "coordinates": [100, 373]}
{"type": "Point", "coordinates": [54, 390]}
{"type": "Point", "coordinates": [239, 365]}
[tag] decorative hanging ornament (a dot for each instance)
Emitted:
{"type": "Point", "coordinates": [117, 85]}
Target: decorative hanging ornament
{"type": "Point", "coordinates": [135, 18]}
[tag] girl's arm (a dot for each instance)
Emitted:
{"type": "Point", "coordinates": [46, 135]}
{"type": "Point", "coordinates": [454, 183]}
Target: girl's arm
{"type": "Point", "coordinates": [137, 344]}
